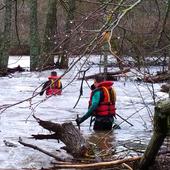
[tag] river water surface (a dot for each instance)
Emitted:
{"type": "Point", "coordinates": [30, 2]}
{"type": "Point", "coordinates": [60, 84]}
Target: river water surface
{"type": "Point", "coordinates": [134, 101]}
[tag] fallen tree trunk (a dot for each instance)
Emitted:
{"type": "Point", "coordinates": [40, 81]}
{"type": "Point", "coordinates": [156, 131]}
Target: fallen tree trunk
{"type": "Point", "coordinates": [12, 70]}
{"type": "Point", "coordinates": [156, 78]}
{"type": "Point", "coordinates": [15, 69]}
{"type": "Point", "coordinates": [110, 75]}
{"type": "Point", "coordinates": [75, 143]}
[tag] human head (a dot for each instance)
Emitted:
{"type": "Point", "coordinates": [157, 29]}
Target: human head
{"type": "Point", "coordinates": [53, 73]}
{"type": "Point", "coordinates": [98, 78]}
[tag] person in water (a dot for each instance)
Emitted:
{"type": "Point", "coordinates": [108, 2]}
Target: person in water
{"type": "Point", "coordinates": [101, 105]}
{"type": "Point", "coordinates": [53, 86]}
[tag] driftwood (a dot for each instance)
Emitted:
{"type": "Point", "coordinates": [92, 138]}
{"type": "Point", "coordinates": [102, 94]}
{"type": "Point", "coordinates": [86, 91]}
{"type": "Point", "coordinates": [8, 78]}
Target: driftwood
{"type": "Point", "coordinates": [110, 75]}
{"type": "Point", "coordinates": [161, 127]}
{"type": "Point", "coordinates": [75, 143]}
{"type": "Point", "coordinates": [12, 70]}
{"type": "Point", "coordinates": [100, 164]}
{"type": "Point", "coordinates": [165, 88]}
{"type": "Point", "coordinates": [159, 78]}
{"type": "Point", "coordinates": [15, 69]}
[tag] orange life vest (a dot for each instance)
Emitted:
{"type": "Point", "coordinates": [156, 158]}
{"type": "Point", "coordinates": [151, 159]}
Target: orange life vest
{"type": "Point", "coordinates": [55, 86]}
{"type": "Point", "coordinates": [107, 99]}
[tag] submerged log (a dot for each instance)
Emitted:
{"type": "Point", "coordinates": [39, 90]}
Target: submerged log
{"type": "Point", "coordinates": [75, 143]}
{"type": "Point", "coordinates": [161, 128]}
{"type": "Point", "coordinates": [12, 70]}
{"type": "Point", "coordinates": [15, 69]}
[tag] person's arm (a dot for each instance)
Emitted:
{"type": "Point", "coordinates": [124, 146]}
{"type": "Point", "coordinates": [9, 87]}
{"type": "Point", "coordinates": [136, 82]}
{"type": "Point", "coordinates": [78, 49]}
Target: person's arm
{"type": "Point", "coordinates": [92, 108]}
{"type": "Point", "coordinates": [60, 87]}
{"type": "Point", "coordinates": [44, 88]}
{"type": "Point", "coordinates": [113, 92]}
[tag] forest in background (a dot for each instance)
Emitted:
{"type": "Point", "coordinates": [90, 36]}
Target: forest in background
{"type": "Point", "coordinates": [141, 27]}
{"type": "Point", "coordinates": [44, 29]}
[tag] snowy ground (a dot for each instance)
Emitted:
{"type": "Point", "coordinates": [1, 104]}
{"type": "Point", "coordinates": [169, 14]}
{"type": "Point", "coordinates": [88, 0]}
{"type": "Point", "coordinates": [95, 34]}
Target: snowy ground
{"type": "Point", "coordinates": [134, 100]}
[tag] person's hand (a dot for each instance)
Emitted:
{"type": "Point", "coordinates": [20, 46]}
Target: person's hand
{"type": "Point", "coordinates": [78, 121]}
{"type": "Point", "coordinates": [92, 87]}
{"type": "Point", "coordinates": [41, 93]}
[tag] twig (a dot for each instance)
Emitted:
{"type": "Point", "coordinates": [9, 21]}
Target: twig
{"type": "Point", "coordinates": [81, 87]}
{"type": "Point", "coordinates": [124, 119]}
{"type": "Point", "coordinates": [127, 166]}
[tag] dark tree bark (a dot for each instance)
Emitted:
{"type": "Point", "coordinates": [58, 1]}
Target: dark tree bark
{"type": "Point", "coordinates": [110, 75]}
{"type": "Point", "coordinates": [5, 38]}
{"type": "Point", "coordinates": [50, 36]}
{"type": "Point", "coordinates": [75, 143]}
{"type": "Point", "coordinates": [68, 26]}
{"type": "Point", "coordinates": [34, 37]}
{"type": "Point", "coordinates": [161, 119]}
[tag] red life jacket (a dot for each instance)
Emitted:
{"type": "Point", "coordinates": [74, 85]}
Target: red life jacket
{"type": "Point", "coordinates": [107, 99]}
{"type": "Point", "coordinates": [54, 87]}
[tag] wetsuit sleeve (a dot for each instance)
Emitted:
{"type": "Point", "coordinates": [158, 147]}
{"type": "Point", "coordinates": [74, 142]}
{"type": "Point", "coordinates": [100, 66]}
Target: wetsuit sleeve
{"type": "Point", "coordinates": [44, 88]}
{"type": "Point", "coordinates": [92, 108]}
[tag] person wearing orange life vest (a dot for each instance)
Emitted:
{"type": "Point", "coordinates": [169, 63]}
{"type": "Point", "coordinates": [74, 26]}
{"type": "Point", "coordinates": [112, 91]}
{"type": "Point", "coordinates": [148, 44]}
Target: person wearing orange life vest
{"type": "Point", "coordinates": [53, 86]}
{"type": "Point", "coordinates": [101, 105]}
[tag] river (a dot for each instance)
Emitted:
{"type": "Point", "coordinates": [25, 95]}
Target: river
{"type": "Point", "coordinates": [134, 103]}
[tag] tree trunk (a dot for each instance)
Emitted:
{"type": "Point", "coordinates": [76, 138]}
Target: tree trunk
{"type": "Point", "coordinates": [75, 143]}
{"type": "Point", "coordinates": [169, 73]}
{"type": "Point", "coordinates": [5, 38]}
{"type": "Point", "coordinates": [34, 37]}
{"type": "Point", "coordinates": [161, 127]}
{"type": "Point", "coordinates": [69, 23]}
{"type": "Point", "coordinates": [50, 35]}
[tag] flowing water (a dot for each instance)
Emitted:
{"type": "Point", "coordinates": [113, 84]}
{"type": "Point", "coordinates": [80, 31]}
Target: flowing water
{"type": "Point", "coordinates": [134, 101]}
